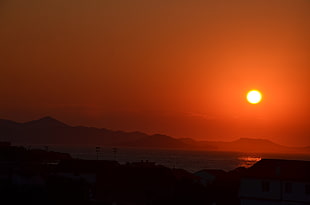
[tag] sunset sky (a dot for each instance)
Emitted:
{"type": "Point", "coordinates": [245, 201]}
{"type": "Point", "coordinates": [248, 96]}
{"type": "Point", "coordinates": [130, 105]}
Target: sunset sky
{"type": "Point", "coordinates": [176, 67]}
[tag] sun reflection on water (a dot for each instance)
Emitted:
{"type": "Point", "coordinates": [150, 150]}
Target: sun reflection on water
{"type": "Point", "coordinates": [248, 161]}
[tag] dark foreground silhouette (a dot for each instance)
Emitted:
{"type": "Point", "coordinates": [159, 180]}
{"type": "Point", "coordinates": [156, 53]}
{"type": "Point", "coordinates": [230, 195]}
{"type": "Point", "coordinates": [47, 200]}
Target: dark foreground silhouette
{"type": "Point", "coordinates": [29, 176]}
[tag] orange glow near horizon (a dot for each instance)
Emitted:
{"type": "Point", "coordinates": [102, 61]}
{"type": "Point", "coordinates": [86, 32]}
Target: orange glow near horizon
{"type": "Point", "coordinates": [180, 68]}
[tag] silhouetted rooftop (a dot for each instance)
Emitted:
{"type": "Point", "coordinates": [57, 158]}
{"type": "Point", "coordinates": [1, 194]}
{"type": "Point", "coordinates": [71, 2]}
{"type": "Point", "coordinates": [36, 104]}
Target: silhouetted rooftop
{"type": "Point", "coordinates": [294, 170]}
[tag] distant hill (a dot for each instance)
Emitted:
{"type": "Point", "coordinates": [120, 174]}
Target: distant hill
{"type": "Point", "coordinates": [45, 122]}
{"type": "Point", "coordinates": [49, 131]}
{"type": "Point", "coordinates": [8, 124]}
{"type": "Point", "coordinates": [253, 145]}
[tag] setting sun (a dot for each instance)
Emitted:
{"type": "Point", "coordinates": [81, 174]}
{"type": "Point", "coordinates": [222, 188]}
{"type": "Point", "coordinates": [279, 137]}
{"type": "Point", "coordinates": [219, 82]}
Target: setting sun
{"type": "Point", "coordinates": [254, 96]}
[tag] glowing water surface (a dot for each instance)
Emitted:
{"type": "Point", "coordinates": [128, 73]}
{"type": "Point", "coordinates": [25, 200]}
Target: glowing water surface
{"type": "Point", "coordinates": [189, 160]}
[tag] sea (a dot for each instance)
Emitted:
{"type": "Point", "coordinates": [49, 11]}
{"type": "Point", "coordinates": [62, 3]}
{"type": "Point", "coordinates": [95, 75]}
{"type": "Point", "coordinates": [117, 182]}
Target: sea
{"type": "Point", "coordinates": [189, 160]}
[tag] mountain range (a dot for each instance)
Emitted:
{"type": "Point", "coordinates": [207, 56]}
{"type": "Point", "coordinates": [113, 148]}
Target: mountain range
{"type": "Point", "coordinates": [49, 131]}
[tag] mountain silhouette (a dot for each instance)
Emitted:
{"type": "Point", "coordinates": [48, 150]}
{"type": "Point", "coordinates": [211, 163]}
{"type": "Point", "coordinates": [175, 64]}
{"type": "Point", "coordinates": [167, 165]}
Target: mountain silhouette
{"type": "Point", "coordinates": [49, 131]}
{"type": "Point", "coordinates": [252, 145]}
{"type": "Point", "coordinates": [45, 122]}
{"type": "Point", "coordinates": [8, 124]}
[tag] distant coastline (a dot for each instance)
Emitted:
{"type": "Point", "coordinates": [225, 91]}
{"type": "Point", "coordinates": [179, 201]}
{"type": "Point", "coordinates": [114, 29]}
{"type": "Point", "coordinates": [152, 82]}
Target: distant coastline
{"type": "Point", "coordinates": [49, 131]}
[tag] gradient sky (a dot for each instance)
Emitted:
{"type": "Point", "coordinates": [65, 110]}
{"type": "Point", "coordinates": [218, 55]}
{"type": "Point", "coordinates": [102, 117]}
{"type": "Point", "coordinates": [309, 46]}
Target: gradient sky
{"type": "Point", "coordinates": [174, 67]}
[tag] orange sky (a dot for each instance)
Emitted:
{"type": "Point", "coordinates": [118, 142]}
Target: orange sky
{"type": "Point", "coordinates": [175, 67]}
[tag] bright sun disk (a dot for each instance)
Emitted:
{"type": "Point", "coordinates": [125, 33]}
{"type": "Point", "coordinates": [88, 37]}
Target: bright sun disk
{"type": "Point", "coordinates": [254, 96]}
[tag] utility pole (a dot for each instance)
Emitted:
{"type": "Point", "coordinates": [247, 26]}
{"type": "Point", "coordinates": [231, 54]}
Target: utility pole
{"type": "Point", "coordinates": [114, 149]}
{"type": "Point", "coordinates": [97, 152]}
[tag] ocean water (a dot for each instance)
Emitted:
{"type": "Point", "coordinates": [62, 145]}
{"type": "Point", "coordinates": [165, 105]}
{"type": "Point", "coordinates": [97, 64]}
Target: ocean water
{"type": "Point", "coordinates": [186, 159]}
